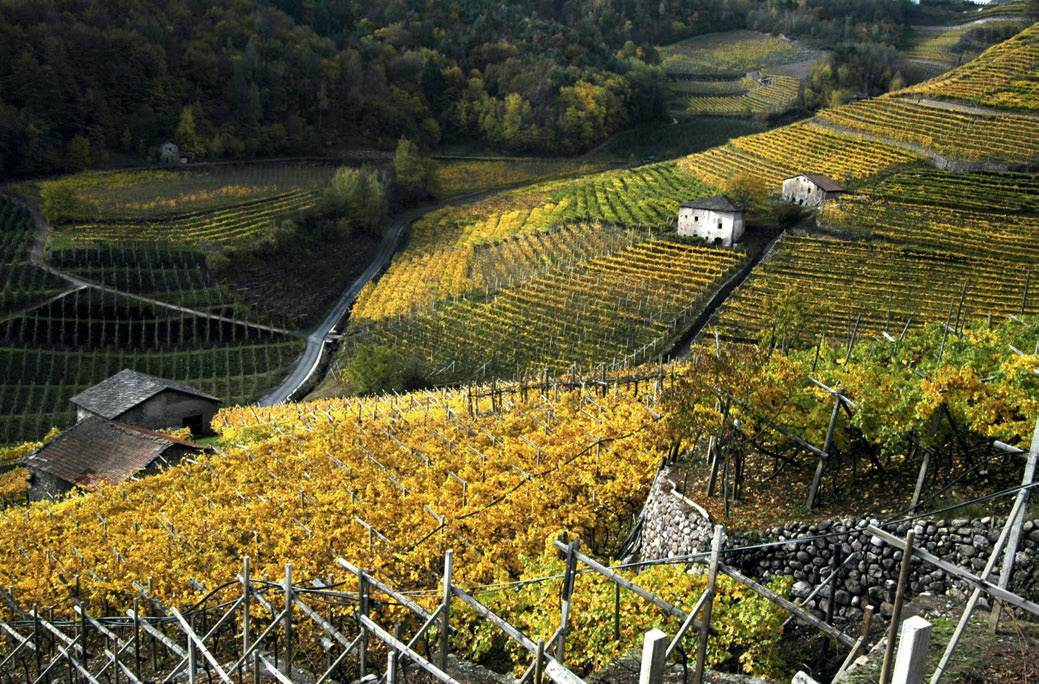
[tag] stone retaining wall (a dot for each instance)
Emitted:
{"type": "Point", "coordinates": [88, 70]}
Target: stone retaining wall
{"type": "Point", "coordinates": [675, 527]}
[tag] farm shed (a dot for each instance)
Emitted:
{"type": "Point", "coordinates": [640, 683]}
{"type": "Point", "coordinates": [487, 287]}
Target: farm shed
{"type": "Point", "coordinates": [169, 153]}
{"type": "Point", "coordinates": [810, 189]}
{"type": "Point", "coordinates": [96, 450]}
{"type": "Point", "coordinates": [147, 401]}
{"type": "Point", "coordinates": [718, 220]}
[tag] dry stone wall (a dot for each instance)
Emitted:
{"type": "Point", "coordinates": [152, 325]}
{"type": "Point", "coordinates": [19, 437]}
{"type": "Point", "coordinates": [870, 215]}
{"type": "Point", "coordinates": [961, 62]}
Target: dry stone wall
{"type": "Point", "coordinates": [677, 527]}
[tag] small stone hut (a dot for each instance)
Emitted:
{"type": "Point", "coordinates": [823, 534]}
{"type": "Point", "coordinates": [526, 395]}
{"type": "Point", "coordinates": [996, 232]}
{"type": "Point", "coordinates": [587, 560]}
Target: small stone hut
{"type": "Point", "coordinates": [96, 450]}
{"type": "Point", "coordinates": [147, 401]}
{"type": "Point", "coordinates": [810, 189]}
{"type": "Point", "coordinates": [718, 220]}
{"type": "Point", "coordinates": [169, 153]}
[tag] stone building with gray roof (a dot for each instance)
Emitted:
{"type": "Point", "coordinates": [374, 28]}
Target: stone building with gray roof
{"type": "Point", "coordinates": [149, 402]}
{"type": "Point", "coordinates": [95, 451]}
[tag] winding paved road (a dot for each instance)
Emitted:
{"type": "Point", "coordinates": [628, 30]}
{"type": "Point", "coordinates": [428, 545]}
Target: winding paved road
{"type": "Point", "coordinates": [316, 340]}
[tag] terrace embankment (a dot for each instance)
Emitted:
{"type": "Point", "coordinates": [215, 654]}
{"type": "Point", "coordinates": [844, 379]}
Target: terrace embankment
{"type": "Point", "coordinates": [675, 526]}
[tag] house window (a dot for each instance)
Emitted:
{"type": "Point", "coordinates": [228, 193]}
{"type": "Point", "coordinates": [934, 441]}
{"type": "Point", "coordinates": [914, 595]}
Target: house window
{"type": "Point", "coordinates": [696, 218]}
{"type": "Point", "coordinates": [719, 225]}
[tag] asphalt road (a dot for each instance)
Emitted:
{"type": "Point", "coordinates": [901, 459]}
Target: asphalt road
{"type": "Point", "coordinates": [316, 340]}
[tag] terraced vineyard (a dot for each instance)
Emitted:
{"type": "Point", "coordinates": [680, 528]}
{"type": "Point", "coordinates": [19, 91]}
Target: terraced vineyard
{"type": "Point", "coordinates": [21, 284]}
{"type": "Point", "coordinates": [768, 95]}
{"type": "Point", "coordinates": [730, 52]}
{"type": "Point", "coordinates": [934, 44]}
{"type": "Point", "coordinates": [783, 152]}
{"type": "Point", "coordinates": [61, 347]}
{"type": "Point", "coordinates": [420, 280]}
{"type": "Point", "coordinates": [886, 285]}
{"type": "Point", "coordinates": [1013, 193]}
{"type": "Point", "coordinates": [249, 220]}
{"type": "Point", "coordinates": [617, 308]}
{"type": "Point", "coordinates": [174, 276]}
{"type": "Point", "coordinates": [643, 197]}
{"type": "Point", "coordinates": [957, 134]}
{"type": "Point", "coordinates": [175, 191]}
{"type": "Point", "coordinates": [1004, 76]}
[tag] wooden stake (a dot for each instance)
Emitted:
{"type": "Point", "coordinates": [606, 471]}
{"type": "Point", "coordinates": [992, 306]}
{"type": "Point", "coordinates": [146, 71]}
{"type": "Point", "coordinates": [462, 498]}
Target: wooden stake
{"type": "Point", "coordinates": [1016, 530]}
{"type": "Point", "coordinates": [445, 610]}
{"type": "Point", "coordinates": [567, 593]}
{"type": "Point", "coordinates": [712, 578]}
{"type": "Point", "coordinates": [896, 613]}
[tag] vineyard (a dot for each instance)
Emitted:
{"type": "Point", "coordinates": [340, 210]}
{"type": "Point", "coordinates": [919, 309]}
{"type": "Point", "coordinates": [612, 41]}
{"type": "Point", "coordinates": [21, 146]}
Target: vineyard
{"type": "Point", "coordinates": [1003, 193]}
{"type": "Point", "coordinates": [766, 95]}
{"type": "Point", "coordinates": [419, 281]}
{"type": "Point", "coordinates": [934, 44]}
{"type": "Point", "coordinates": [618, 309]}
{"type": "Point", "coordinates": [158, 193]}
{"type": "Point", "coordinates": [874, 287]}
{"type": "Point", "coordinates": [64, 346]}
{"type": "Point", "coordinates": [457, 177]}
{"type": "Point", "coordinates": [1009, 238]}
{"type": "Point", "coordinates": [302, 484]}
{"type": "Point", "coordinates": [961, 135]}
{"type": "Point", "coordinates": [23, 284]}
{"type": "Point", "coordinates": [1004, 76]}
{"type": "Point", "coordinates": [231, 224]}
{"type": "Point", "coordinates": [784, 152]}
{"type": "Point", "coordinates": [643, 197]}
{"type": "Point", "coordinates": [731, 52]}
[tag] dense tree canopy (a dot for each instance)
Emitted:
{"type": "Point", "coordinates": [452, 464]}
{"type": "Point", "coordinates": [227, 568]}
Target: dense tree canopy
{"type": "Point", "coordinates": [230, 78]}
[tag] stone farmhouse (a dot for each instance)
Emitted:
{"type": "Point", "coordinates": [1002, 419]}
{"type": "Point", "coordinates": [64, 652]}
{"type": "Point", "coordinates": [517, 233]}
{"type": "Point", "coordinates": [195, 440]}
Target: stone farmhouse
{"type": "Point", "coordinates": [148, 402]}
{"type": "Point", "coordinates": [718, 220]}
{"type": "Point", "coordinates": [810, 189]}
{"type": "Point", "coordinates": [96, 450]}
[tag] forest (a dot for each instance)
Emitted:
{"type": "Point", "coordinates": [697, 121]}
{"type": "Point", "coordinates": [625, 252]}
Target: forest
{"type": "Point", "coordinates": [85, 84]}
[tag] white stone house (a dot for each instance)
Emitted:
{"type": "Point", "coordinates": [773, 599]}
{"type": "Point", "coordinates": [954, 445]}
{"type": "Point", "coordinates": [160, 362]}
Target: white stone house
{"type": "Point", "coordinates": [810, 189]}
{"type": "Point", "coordinates": [718, 220]}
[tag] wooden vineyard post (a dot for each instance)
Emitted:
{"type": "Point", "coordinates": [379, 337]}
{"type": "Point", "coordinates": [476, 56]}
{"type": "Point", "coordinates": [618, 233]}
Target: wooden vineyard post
{"type": "Point", "coordinates": [568, 591]}
{"type": "Point", "coordinates": [1016, 529]}
{"type": "Point", "coordinates": [616, 612]}
{"type": "Point", "coordinates": [245, 613]}
{"type": "Point", "coordinates": [654, 650]}
{"type": "Point", "coordinates": [391, 667]}
{"type": "Point", "coordinates": [820, 464]}
{"type": "Point", "coordinates": [712, 578]}
{"type": "Point", "coordinates": [288, 620]}
{"type": "Point", "coordinates": [445, 614]}
{"type": "Point", "coordinates": [539, 662]}
{"type": "Point", "coordinates": [362, 602]}
{"type": "Point", "coordinates": [136, 641]}
{"type": "Point", "coordinates": [896, 611]}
